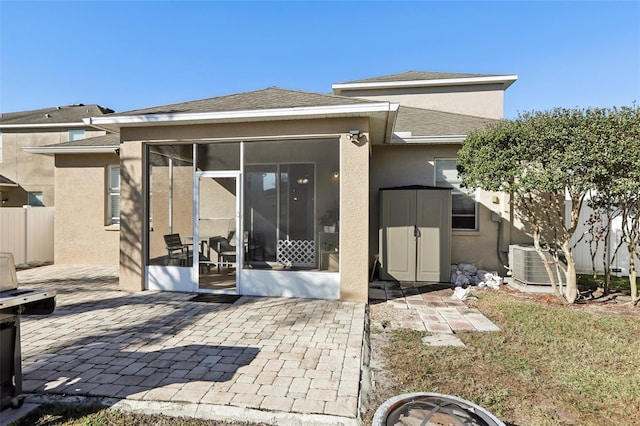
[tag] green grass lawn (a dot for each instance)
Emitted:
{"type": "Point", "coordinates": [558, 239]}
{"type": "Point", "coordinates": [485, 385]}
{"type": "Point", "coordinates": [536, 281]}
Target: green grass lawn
{"type": "Point", "coordinates": [550, 365]}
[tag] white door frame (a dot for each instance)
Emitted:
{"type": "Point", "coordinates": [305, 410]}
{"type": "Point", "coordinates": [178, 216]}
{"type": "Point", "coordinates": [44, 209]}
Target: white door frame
{"type": "Point", "coordinates": [195, 272]}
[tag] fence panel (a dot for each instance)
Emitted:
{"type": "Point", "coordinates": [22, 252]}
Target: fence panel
{"type": "Point", "coordinates": [582, 254]}
{"type": "Point", "coordinates": [27, 233]}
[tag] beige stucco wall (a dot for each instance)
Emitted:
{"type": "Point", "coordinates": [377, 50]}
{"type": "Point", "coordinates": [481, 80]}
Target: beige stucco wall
{"type": "Point", "coordinates": [33, 172]}
{"type": "Point", "coordinates": [393, 166]}
{"type": "Point", "coordinates": [132, 217]}
{"type": "Point", "coordinates": [354, 179]}
{"type": "Point", "coordinates": [485, 100]}
{"type": "Point", "coordinates": [81, 235]}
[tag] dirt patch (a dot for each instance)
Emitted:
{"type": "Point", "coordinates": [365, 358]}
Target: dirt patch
{"type": "Point", "coordinates": [614, 303]}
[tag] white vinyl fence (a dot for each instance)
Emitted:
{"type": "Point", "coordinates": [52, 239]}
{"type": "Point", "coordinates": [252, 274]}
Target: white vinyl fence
{"type": "Point", "coordinates": [582, 254]}
{"type": "Point", "coordinates": [27, 232]}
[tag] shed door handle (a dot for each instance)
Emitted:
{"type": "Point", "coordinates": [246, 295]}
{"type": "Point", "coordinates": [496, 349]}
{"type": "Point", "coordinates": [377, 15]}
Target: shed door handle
{"type": "Point", "coordinates": [416, 231]}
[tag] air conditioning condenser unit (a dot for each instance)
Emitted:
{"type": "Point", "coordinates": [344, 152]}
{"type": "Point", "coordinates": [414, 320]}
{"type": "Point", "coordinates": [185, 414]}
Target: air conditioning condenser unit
{"type": "Point", "coordinates": [526, 265]}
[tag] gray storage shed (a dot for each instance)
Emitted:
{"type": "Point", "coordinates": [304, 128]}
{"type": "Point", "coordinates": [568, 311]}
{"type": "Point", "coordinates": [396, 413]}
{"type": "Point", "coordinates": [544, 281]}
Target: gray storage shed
{"type": "Point", "coordinates": [415, 233]}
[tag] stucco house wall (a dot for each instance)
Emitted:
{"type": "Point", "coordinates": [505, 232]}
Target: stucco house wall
{"type": "Point", "coordinates": [34, 173]}
{"type": "Point", "coordinates": [81, 234]}
{"type": "Point", "coordinates": [404, 165]}
{"type": "Point", "coordinates": [486, 100]}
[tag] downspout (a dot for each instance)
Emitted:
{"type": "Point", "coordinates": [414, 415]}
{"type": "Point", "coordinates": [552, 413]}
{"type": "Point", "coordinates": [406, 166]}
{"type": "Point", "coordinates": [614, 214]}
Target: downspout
{"type": "Point", "coordinates": [170, 195]}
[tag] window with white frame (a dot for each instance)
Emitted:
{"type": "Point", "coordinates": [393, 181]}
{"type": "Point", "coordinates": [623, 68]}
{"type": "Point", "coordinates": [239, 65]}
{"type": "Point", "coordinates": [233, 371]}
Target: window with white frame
{"type": "Point", "coordinates": [113, 195]}
{"type": "Point", "coordinates": [464, 207]}
{"type": "Point", "coordinates": [75, 135]}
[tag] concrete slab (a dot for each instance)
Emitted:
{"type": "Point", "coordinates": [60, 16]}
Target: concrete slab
{"type": "Point", "coordinates": [538, 289]}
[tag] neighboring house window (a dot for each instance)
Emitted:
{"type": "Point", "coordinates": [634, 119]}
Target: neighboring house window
{"type": "Point", "coordinates": [36, 199]}
{"type": "Point", "coordinates": [75, 135]}
{"type": "Point", "coordinates": [113, 209]}
{"type": "Point", "coordinates": [463, 202]}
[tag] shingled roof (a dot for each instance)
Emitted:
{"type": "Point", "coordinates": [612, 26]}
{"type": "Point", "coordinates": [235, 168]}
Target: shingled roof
{"type": "Point", "coordinates": [108, 140]}
{"type": "Point", "coordinates": [417, 76]}
{"type": "Point", "coordinates": [53, 115]}
{"type": "Point", "coordinates": [269, 98]}
{"type": "Point", "coordinates": [427, 122]}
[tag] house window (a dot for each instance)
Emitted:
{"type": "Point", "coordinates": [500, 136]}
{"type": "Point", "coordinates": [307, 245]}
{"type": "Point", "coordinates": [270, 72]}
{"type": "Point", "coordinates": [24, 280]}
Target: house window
{"type": "Point", "coordinates": [75, 135]}
{"type": "Point", "coordinates": [113, 195]}
{"type": "Point", "coordinates": [35, 199]}
{"type": "Point", "coordinates": [0, 147]}
{"type": "Point", "coordinates": [464, 207]}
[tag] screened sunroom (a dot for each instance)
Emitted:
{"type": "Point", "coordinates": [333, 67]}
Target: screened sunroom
{"type": "Point", "coordinates": [254, 217]}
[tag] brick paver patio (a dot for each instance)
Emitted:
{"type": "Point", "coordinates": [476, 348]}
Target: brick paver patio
{"type": "Point", "coordinates": [277, 354]}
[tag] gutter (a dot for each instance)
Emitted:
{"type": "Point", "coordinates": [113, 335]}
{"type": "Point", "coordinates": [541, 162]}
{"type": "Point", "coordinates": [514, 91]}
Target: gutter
{"type": "Point", "coordinates": [391, 122]}
{"type": "Point", "coordinates": [107, 149]}
{"type": "Point", "coordinates": [42, 125]}
{"type": "Point", "coordinates": [138, 120]}
{"type": "Point", "coordinates": [405, 138]}
{"type": "Point", "coordinates": [506, 80]}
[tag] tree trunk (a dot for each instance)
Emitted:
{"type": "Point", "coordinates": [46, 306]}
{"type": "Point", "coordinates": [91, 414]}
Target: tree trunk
{"type": "Point", "coordinates": [571, 293]}
{"type": "Point", "coordinates": [633, 274]}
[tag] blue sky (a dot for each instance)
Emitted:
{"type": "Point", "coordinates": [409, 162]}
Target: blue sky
{"type": "Point", "coordinates": [135, 54]}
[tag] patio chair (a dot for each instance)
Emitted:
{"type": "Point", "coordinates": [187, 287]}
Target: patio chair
{"type": "Point", "coordinates": [177, 250]}
{"type": "Point", "coordinates": [226, 252]}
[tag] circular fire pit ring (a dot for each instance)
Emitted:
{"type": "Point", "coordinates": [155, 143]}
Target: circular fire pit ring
{"type": "Point", "coordinates": [426, 409]}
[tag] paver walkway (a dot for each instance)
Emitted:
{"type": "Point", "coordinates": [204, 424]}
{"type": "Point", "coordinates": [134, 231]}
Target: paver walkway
{"type": "Point", "coordinates": [269, 354]}
{"type": "Point", "coordinates": [430, 307]}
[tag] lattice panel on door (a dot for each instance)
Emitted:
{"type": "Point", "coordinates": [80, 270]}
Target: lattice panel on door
{"type": "Point", "coordinates": [297, 252]}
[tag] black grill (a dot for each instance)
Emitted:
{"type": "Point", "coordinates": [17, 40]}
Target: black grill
{"type": "Point", "coordinates": [13, 304]}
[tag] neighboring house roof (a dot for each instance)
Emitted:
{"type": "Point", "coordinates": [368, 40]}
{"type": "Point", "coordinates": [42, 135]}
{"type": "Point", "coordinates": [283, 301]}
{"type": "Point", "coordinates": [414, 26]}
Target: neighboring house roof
{"type": "Point", "coordinates": [414, 124]}
{"type": "Point", "coordinates": [416, 79]}
{"type": "Point", "coordinates": [54, 116]}
{"type": "Point", "coordinates": [100, 144]}
{"type": "Point", "coordinates": [6, 182]}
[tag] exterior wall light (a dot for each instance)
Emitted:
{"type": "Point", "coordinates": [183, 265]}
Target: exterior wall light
{"type": "Point", "coordinates": [354, 136]}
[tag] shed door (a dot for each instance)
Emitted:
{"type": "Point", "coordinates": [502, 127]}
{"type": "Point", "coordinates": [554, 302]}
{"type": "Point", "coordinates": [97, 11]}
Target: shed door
{"type": "Point", "coordinates": [430, 208]}
{"type": "Point", "coordinates": [399, 246]}
{"type": "Point", "coordinates": [416, 228]}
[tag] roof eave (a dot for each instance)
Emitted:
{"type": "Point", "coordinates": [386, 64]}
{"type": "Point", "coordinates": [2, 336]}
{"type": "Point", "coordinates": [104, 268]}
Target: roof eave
{"type": "Point", "coordinates": [144, 120]}
{"type": "Point", "coordinates": [107, 149]}
{"type": "Point", "coordinates": [400, 139]}
{"type": "Point", "coordinates": [77, 124]}
{"type": "Point", "coordinates": [505, 80]}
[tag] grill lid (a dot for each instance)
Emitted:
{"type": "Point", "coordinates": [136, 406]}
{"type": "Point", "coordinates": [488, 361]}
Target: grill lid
{"type": "Point", "coordinates": [8, 278]}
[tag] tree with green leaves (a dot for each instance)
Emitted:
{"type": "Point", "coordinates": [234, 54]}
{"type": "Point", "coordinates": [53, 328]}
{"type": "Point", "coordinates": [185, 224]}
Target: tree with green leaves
{"type": "Point", "coordinates": [541, 159]}
{"type": "Point", "coordinates": [616, 178]}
